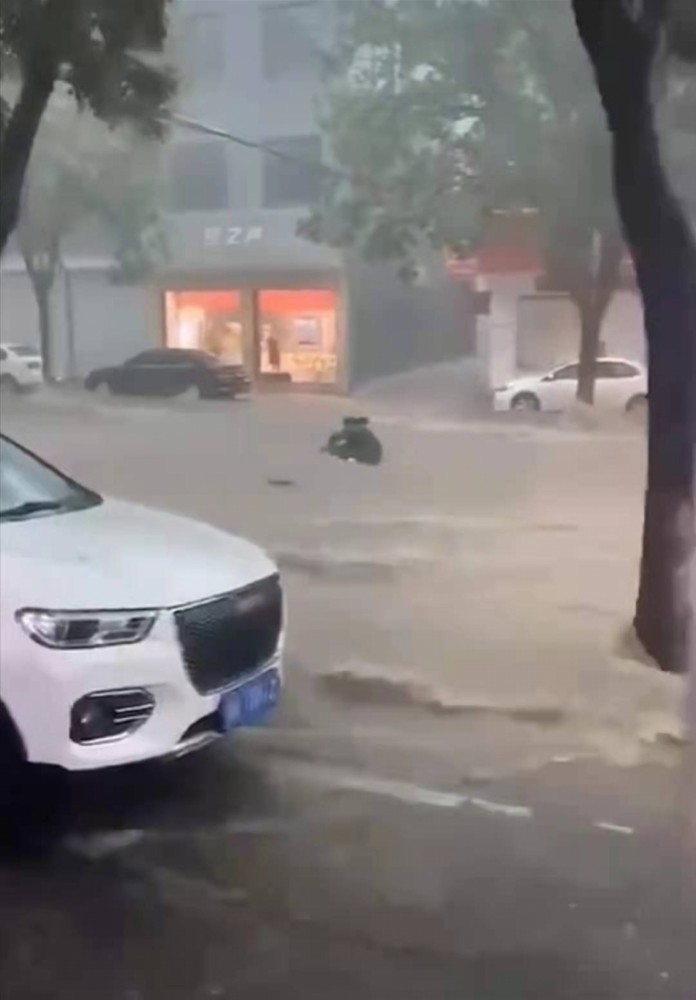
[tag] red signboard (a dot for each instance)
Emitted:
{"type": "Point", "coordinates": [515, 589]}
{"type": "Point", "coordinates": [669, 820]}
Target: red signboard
{"type": "Point", "coordinates": [463, 268]}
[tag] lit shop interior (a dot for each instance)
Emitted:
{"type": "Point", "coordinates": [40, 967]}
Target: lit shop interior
{"type": "Point", "coordinates": [279, 335]}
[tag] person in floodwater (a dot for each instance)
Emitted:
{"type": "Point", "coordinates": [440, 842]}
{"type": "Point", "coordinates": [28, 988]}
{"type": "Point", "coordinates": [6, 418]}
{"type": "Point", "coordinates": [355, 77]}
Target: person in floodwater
{"type": "Point", "coordinates": [356, 442]}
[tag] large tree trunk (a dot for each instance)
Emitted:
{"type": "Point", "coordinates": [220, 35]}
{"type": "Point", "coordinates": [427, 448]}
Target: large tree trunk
{"type": "Point", "coordinates": [17, 145]}
{"type": "Point", "coordinates": [624, 49]}
{"type": "Point", "coordinates": [669, 532]}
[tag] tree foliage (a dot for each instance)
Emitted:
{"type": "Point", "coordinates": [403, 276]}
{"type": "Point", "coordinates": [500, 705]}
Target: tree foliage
{"type": "Point", "coordinates": [442, 112]}
{"type": "Point", "coordinates": [79, 170]}
{"type": "Point", "coordinates": [100, 52]}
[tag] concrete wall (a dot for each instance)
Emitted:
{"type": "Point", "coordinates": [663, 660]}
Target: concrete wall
{"type": "Point", "coordinates": [623, 331]}
{"type": "Point", "coordinates": [548, 330]}
{"type": "Point", "coordinates": [395, 327]}
{"type": "Point", "coordinates": [525, 331]}
{"type": "Point", "coordinates": [497, 332]}
{"type": "Point", "coordinates": [113, 322]}
{"type": "Point", "coordinates": [18, 316]}
{"type": "Point", "coordinates": [110, 322]}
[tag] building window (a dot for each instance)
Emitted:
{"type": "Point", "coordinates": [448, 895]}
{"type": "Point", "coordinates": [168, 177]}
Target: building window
{"type": "Point", "coordinates": [198, 177]}
{"type": "Point", "coordinates": [288, 43]}
{"type": "Point", "coordinates": [569, 373]}
{"type": "Point", "coordinates": [206, 320]}
{"type": "Point", "coordinates": [298, 335]}
{"type": "Point", "coordinates": [204, 45]}
{"type": "Point", "coordinates": [294, 177]}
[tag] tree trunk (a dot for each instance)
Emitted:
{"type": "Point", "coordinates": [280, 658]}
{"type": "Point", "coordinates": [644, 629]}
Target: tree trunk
{"type": "Point", "coordinates": [664, 606]}
{"type": "Point", "coordinates": [592, 307]}
{"type": "Point", "coordinates": [43, 305]}
{"type": "Point", "coordinates": [42, 275]}
{"type": "Point", "coordinates": [70, 322]}
{"type": "Point", "coordinates": [17, 145]}
{"type": "Point", "coordinates": [590, 325]}
{"type": "Point", "coordinates": [624, 48]}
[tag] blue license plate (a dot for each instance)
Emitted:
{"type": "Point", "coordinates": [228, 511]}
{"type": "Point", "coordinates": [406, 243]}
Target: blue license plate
{"type": "Point", "coordinates": [250, 703]}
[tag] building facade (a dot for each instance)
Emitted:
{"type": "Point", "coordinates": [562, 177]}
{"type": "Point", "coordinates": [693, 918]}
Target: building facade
{"type": "Point", "coordinates": [239, 170]}
{"type": "Point", "coordinates": [526, 329]}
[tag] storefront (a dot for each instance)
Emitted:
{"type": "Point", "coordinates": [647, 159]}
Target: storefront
{"type": "Point", "coordinates": [284, 336]}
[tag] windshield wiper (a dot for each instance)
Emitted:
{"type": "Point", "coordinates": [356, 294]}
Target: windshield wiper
{"type": "Point", "coordinates": [32, 507]}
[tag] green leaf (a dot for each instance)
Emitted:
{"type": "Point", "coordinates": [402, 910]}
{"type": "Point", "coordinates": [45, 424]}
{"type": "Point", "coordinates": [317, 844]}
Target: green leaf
{"type": "Point", "coordinates": [439, 112]}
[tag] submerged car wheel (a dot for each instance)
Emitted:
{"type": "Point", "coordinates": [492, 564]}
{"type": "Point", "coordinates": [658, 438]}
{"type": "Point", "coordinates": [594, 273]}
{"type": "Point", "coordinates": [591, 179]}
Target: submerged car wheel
{"type": "Point", "coordinates": [102, 390]}
{"type": "Point", "coordinates": [32, 797]}
{"type": "Point", "coordinates": [9, 384]}
{"type": "Point", "coordinates": [638, 406]}
{"type": "Point", "coordinates": [525, 402]}
{"type": "Point", "coordinates": [11, 769]}
{"type": "Point", "coordinates": [193, 392]}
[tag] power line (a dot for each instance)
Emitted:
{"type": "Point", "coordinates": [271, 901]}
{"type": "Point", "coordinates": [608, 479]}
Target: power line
{"type": "Point", "coordinates": [220, 133]}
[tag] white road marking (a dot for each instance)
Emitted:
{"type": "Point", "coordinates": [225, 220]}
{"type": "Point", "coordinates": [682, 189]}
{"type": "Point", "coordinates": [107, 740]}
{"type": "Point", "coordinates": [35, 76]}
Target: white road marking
{"type": "Point", "coordinates": [627, 831]}
{"type": "Point", "coordinates": [503, 809]}
{"type": "Point", "coordinates": [100, 845]}
{"type": "Point", "coordinates": [401, 791]}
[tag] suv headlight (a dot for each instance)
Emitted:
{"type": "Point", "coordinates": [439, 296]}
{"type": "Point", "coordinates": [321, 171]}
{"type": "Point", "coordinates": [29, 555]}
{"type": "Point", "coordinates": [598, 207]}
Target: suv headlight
{"type": "Point", "coordinates": [85, 629]}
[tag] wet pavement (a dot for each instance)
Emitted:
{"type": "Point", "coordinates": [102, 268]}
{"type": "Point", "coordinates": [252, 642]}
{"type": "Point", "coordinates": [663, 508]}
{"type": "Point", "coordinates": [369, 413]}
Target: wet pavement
{"type": "Point", "coordinates": [245, 872]}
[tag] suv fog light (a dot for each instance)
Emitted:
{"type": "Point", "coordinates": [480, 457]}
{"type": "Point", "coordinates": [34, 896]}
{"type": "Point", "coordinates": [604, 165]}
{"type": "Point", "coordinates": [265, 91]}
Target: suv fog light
{"type": "Point", "coordinates": [109, 715]}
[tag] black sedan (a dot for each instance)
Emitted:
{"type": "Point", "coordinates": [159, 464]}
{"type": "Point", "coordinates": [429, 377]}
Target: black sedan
{"type": "Point", "coordinates": [171, 372]}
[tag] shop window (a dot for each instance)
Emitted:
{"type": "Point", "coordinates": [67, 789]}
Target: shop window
{"type": "Point", "coordinates": [293, 177]}
{"type": "Point", "coordinates": [298, 335]}
{"type": "Point", "coordinates": [198, 177]}
{"type": "Point", "coordinates": [206, 320]}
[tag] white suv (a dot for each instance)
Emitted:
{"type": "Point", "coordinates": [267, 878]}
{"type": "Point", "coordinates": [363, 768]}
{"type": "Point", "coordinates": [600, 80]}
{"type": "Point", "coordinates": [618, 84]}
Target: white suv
{"type": "Point", "coordinates": [125, 633]}
{"type": "Point", "coordinates": [21, 367]}
{"type": "Point", "coordinates": [619, 385]}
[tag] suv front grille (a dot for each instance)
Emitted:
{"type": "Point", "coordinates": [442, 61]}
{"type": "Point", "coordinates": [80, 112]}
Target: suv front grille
{"type": "Point", "coordinates": [230, 636]}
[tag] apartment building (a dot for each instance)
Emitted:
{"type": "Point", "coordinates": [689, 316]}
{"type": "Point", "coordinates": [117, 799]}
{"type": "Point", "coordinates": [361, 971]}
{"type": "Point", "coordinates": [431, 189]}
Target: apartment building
{"type": "Point", "coordinates": [240, 169]}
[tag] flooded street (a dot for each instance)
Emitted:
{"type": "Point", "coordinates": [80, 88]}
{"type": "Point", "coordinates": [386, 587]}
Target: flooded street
{"type": "Point", "coordinates": [348, 500]}
{"type": "Point", "coordinates": [452, 798]}
{"type": "Point", "coordinates": [239, 875]}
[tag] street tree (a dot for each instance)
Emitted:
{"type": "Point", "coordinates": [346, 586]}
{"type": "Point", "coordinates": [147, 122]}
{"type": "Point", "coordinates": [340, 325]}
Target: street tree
{"type": "Point", "coordinates": [80, 170]}
{"type": "Point", "coordinates": [439, 113]}
{"type": "Point", "coordinates": [46, 214]}
{"type": "Point", "coordinates": [637, 50]}
{"type": "Point", "coordinates": [99, 52]}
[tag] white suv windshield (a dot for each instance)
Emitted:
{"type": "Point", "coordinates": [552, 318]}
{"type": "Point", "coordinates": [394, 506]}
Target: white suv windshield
{"type": "Point", "coordinates": [28, 488]}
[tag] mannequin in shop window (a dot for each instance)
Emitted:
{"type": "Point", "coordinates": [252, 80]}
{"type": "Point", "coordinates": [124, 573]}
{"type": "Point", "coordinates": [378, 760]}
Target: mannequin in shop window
{"type": "Point", "coordinates": [273, 352]}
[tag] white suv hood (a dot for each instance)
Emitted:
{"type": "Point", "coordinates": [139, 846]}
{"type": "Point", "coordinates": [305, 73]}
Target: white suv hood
{"type": "Point", "coordinates": [118, 555]}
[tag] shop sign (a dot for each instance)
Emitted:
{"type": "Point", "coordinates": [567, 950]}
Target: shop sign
{"type": "Point", "coordinates": [463, 268]}
{"type": "Point", "coordinates": [231, 236]}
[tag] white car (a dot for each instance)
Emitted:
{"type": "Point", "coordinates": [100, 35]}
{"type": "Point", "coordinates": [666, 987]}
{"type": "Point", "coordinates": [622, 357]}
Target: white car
{"type": "Point", "coordinates": [125, 633]}
{"type": "Point", "coordinates": [21, 367]}
{"type": "Point", "coordinates": [619, 385]}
